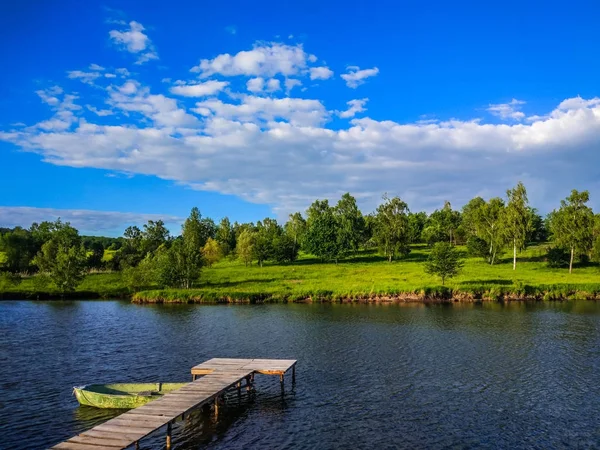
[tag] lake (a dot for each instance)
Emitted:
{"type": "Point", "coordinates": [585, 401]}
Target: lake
{"type": "Point", "coordinates": [368, 376]}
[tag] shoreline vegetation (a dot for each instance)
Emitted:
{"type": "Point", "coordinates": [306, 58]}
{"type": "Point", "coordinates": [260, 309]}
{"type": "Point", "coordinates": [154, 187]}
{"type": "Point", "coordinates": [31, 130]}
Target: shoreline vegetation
{"type": "Point", "coordinates": [490, 250]}
{"type": "Point", "coordinates": [365, 278]}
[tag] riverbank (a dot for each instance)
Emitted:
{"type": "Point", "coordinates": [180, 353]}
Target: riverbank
{"type": "Point", "coordinates": [366, 277]}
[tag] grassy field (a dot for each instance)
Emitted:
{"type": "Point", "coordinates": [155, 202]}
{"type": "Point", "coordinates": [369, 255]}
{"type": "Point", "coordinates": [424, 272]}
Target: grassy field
{"type": "Point", "coordinates": [366, 276]}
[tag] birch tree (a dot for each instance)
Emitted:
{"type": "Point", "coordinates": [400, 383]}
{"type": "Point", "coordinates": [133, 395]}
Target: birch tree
{"type": "Point", "coordinates": [517, 219]}
{"type": "Point", "coordinates": [572, 224]}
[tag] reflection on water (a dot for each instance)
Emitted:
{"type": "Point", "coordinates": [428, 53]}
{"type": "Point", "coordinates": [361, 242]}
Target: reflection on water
{"type": "Point", "coordinates": [519, 375]}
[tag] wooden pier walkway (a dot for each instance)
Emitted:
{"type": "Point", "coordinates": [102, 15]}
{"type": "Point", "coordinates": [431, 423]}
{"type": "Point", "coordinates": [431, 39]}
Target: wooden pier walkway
{"type": "Point", "coordinates": [218, 375]}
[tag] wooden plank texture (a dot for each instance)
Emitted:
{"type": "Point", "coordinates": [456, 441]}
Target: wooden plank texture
{"type": "Point", "coordinates": [220, 375]}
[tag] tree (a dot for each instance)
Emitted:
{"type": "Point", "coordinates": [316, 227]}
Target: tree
{"type": "Point", "coordinates": [446, 222]}
{"type": "Point", "coordinates": [444, 261]}
{"type": "Point", "coordinates": [295, 227]}
{"type": "Point", "coordinates": [154, 235]}
{"type": "Point", "coordinates": [245, 246]}
{"type": "Point", "coordinates": [96, 253]}
{"type": "Point", "coordinates": [141, 276]}
{"type": "Point", "coordinates": [188, 251]}
{"type": "Point", "coordinates": [572, 224]}
{"type": "Point", "coordinates": [517, 219]}
{"type": "Point", "coordinates": [19, 248]}
{"type": "Point", "coordinates": [416, 224]}
{"type": "Point", "coordinates": [392, 230]}
{"type": "Point", "coordinates": [63, 257]}
{"type": "Point", "coordinates": [321, 237]}
{"type": "Point", "coordinates": [211, 252]}
{"type": "Point", "coordinates": [225, 236]}
{"type": "Point", "coordinates": [484, 220]}
{"type": "Point", "coordinates": [351, 224]}
{"type": "Point", "coordinates": [284, 249]}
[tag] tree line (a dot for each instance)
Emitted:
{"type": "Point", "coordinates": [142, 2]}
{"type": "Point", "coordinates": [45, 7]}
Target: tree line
{"type": "Point", "coordinates": [151, 255]}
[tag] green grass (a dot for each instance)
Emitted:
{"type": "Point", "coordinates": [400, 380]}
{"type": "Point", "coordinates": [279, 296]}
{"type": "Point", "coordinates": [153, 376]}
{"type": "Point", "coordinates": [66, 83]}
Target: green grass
{"type": "Point", "coordinates": [369, 276]}
{"type": "Point", "coordinates": [364, 277]}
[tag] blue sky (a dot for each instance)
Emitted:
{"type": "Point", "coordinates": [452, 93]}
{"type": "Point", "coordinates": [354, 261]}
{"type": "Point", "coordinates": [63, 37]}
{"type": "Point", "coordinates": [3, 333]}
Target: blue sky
{"type": "Point", "coordinates": [113, 113]}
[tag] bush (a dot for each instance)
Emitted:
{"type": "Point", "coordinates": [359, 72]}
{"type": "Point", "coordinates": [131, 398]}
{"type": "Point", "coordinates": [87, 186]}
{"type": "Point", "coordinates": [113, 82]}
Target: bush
{"type": "Point", "coordinates": [477, 247]}
{"type": "Point", "coordinates": [557, 257]}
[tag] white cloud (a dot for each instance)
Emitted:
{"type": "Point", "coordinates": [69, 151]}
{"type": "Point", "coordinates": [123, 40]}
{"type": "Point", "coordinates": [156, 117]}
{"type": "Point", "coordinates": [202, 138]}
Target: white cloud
{"type": "Point", "coordinates": [354, 107]}
{"type": "Point", "coordinates": [84, 220]}
{"type": "Point", "coordinates": [264, 60]}
{"type": "Point", "coordinates": [255, 84]}
{"type": "Point", "coordinates": [161, 110]}
{"type": "Point", "coordinates": [210, 87]}
{"type": "Point", "coordinates": [355, 76]}
{"type": "Point", "coordinates": [273, 85]}
{"type": "Point", "coordinates": [320, 73]}
{"type": "Point", "coordinates": [510, 110]}
{"type": "Point", "coordinates": [84, 77]}
{"type": "Point", "coordinates": [100, 112]}
{"type": "Point", "coordinates": [96, 68]}
{"type": "Point", "coordinates": [257, 110]}
{"type": "Point", "coordinates": [291, 83]}
{"type": "Point", "coordinates": [135, 41]}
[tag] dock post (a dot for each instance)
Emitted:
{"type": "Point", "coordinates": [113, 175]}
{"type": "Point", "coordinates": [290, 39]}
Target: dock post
{"type": "Point", "coordinates": [248, 383]}
{"type": "Point", "coordinates": [193, 377]}
{"type": "Point", "coordinates": [217, 407]}
{"type": "Point", "coordinates": [281, 380]}
{"type": "Point", "coordinates": [137, 445]}
{"type": "Point", "coordinates": [169, 436]}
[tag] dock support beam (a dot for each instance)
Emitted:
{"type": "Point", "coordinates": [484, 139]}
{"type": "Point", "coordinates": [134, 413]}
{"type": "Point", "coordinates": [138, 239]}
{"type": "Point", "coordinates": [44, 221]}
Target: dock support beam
{"type": "Point", "coordinates": [217, 399]}
{"type": "Point", "coordinates": [281, 381]}
{"type": "Point", "coordinates": [137, 445]}
{"type": "Point", "coordinates": [169, 436]}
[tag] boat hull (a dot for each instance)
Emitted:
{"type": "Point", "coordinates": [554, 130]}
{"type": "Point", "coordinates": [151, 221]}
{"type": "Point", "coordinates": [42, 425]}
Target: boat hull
{"type": "Point", "coordinates": [122, 396]}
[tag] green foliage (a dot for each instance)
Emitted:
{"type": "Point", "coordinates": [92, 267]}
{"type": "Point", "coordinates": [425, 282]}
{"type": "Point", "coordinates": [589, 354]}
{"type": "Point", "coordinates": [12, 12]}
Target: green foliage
{"type": "Point", "coordinates": [416, 225]}
{"type": "Point", "coordinates": [517, 219]}
{"type": "Point", "coordinates": [295, 228]}
{"type": "Point", "coordinates": [443, 224]}
{"type": "Point", "coordinates": [557, 257]}
{"type": "Point", "coordinates": [285, 249]}
{"type": "Point", "coordinates": [225, 236]}
{"type": "Point", "coordinates": [63, 257]}
{"type": "Point", "coordinates": [19, 248]}
{"type": "Point", "coordinates": [95, 255]}
{"type": "Point", "coordinates": [245, 246]}
{"type": "Point", "coordinates": [350, 224]}
{"type": "Point", "coordinates": [211, 252]}
{"type": "Point", "coordinates": [8, 280]}
{"type": "Point", "coordinates": [572, 225]}
{"type": "Point", "coordinates": [321, 237]}
{"type": "Point", "coordinates": [392, 230]}
{"type": "Point", "coordinates": [143, 275]}
{"type": "Point", "coordinates": [477, 247]}
{"type": "Point", "coordinates": [444, 261]}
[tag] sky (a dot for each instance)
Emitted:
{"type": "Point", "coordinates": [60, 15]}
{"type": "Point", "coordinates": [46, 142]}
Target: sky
{"type": "Point", "coordinates": [114, 113]}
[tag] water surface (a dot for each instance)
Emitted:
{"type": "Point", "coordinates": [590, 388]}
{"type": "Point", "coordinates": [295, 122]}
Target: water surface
{"type": "Point", "coordinates": [369, 376]}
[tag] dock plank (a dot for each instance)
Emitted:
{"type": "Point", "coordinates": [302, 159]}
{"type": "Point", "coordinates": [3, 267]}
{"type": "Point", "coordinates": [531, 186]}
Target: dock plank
{"type": "Point", "coordinates": [220, 375]}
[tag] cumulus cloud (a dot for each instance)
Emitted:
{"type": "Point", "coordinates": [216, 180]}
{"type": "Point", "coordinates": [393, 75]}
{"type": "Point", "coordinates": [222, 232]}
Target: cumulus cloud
{"type": "Point", "coordinates": [320, 73]}
{"type": "Point", "coordinates": [210, 87]}
{"type": "Point", "coordinates": [134, 40]}
{"type": "Point", "coordinates": [291, 83]}
{"type": "Point", "coordinates": [354, 77]}
{"type": "Point", "coordinates": [87, 221]}
{"type": "Point", "coordinates": [510, 110]}
{"type": "Point", "coordinates": [354, 107]}
{"type": "Point", "coordinates": [84, 77]}
{"type": "Point", "coordinates": [264, 60]}
{"type": "Point", "coordinates": [255, 84]}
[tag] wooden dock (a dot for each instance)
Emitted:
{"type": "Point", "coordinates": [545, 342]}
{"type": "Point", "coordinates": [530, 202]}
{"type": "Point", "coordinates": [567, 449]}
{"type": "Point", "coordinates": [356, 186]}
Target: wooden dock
{"type": "Point", "coordinates": [217, 376]}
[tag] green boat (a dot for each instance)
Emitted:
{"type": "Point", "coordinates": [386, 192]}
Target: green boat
{"type": "Point", "coordinates": [122, 395]}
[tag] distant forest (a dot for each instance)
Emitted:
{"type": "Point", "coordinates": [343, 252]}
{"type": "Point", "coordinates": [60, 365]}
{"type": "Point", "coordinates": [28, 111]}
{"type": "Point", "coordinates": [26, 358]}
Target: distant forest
{"type": "Point", "coordinates": [487, 228]}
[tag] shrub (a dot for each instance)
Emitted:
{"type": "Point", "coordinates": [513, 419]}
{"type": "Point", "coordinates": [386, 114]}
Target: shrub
{"type": "Point", "coordinates": [557, 257]}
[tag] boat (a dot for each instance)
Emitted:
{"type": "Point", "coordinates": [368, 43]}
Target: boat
{"type": "Point", "coordinates": [122, 395]}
